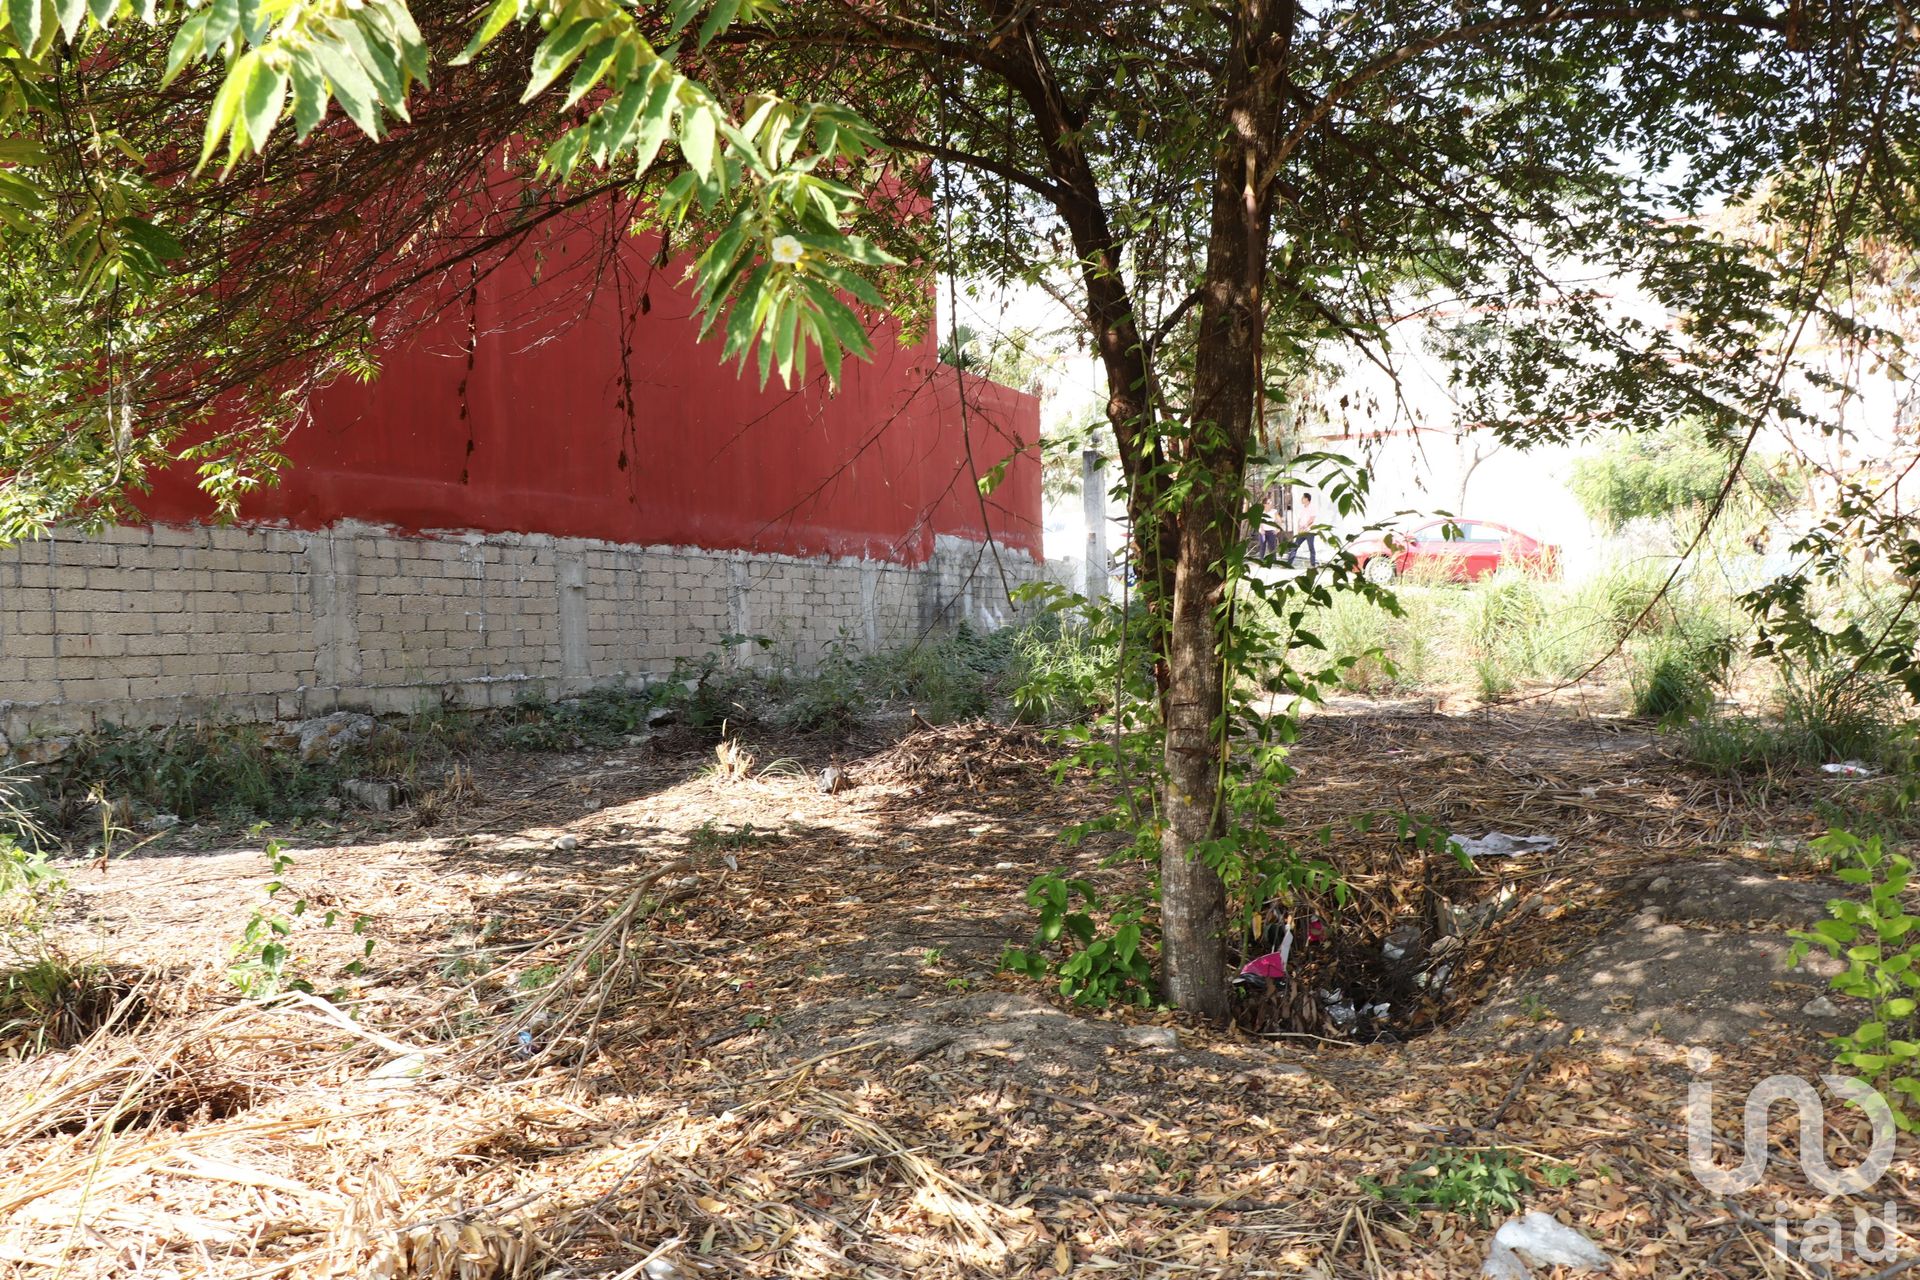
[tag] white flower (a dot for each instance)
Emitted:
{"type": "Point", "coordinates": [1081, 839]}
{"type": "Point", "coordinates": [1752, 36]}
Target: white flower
{"type": "Point", "coordinates": [787, 250]}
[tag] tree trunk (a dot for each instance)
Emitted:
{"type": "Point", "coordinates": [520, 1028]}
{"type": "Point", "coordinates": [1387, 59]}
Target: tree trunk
{"type": "Point", "coordinates": [1226, 396]}
{"type": "Point", "coordinates": [1179, 556]}
{"type": "Point", "coordinates": [1193, 899]}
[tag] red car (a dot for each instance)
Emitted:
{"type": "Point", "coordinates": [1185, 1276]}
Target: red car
{"type": "Point", "coordinates": [1481, 548]}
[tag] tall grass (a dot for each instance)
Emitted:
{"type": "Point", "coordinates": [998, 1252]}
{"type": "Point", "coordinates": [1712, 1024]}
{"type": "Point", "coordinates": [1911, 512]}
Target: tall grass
{"type": "Point", "coordinates": [1512, 629]}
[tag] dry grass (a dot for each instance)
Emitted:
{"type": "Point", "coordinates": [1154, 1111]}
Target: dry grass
{"type": "Point", "coordinates": [642, 1109]}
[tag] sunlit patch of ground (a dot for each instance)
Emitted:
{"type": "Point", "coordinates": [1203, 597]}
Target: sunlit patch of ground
{"type": "Point", "coordinates": [626, 1015]}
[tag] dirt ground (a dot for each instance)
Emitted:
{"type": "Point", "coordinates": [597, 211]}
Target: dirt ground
{"type": "Point", "coordinates": [642, 1013]}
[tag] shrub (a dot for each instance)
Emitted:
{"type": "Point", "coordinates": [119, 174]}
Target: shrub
{"type": "Point", "coordinates": [1668, 473]}
{"type": "Point", "coordinates": [947, 677]}
{"type": "Point", "coordinates": [1059, 671]}
{"type": "Point", "coordinates": [597, 718]}
{"type": "Point", "coordinates": [1879, 942]}
{"type": "Point", "coordinates": [193, 771]}
{"type": "Point", "coordinates": [1095, 966]}
{"type": "Point", "coordinates": [830, 697]}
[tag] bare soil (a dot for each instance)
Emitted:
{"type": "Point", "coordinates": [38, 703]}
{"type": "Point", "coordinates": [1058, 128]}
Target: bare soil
{"type": "Point", "coordinates": [792, 1055]}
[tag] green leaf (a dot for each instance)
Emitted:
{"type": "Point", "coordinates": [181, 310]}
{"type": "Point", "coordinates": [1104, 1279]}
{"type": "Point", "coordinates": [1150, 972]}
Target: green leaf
{"type": "Point", "coordinates": [350, 86]}
{"type": "Point", "coordinates": [717, 21]}
{"type": "Point", "coordinates": [381, 68]}
{"type": "Point", "coordinates": [186, 46]}
{"type": "Point", "coordinates": [498, 17]}
{"type": "Point", "coordinates": [309, 97]}
{"type": "Point", "coordinates": [697, 131]}
{"type": "Point", "coordinates": [223, 19]}
{"type": "Point", "coordinates": [594, 64]}
{"type": "Point", "coordinates": [265, 95]}
{"type": "Point", "coordinates": [24, 15]}
{"type": "Point", "coordinates": [658, 117]}
{"type": "Point", "coordinates": [71, 13]}
{"type": "Point", "coordinates": [153, 239]}
{"type": "Point", "coordinates": [557, 52]}
{"type": "Point", "coordinates": [226, 105]}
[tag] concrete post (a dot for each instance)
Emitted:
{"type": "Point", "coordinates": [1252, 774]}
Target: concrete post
{"type": "Point", "coordinates": [1093, 493]}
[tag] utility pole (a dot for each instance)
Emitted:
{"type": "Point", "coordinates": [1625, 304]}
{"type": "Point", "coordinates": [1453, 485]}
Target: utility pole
{"type": "Point", "coordinates": [1093, 496]}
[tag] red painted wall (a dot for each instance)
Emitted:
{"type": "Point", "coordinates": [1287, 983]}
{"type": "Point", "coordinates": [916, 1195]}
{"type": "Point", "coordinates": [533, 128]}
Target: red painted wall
{"type": "Point", "coordinates": [535, 437]}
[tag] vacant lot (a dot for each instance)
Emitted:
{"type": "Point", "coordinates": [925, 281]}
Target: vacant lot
{"type": "Point", "coordinates": [657, 1012]}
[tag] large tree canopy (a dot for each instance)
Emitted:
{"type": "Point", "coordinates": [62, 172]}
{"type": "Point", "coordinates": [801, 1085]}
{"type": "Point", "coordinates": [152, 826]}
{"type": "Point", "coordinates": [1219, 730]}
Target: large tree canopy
{"type": "Point", "coordinates": [1235, 192]}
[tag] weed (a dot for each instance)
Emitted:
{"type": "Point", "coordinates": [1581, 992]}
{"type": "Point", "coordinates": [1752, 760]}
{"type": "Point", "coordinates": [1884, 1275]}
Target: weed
{"type": "Point", "coordinates": [706, 692]}
{"type": "Point", "coordinates": [933, 956]}
{"type": "Point", "coordinates": [1059, 671]}
{"type": "Point", "coordinates": [30, 888]}
{"type": "Point", "coordinates": [1877, 940]}
{"type": "Point", "coordinates": [18, 820]}
{"type": "Point", "coordinates": [229, 772]}
{"type": "Point", "coordinates": [262, 958]}
{"type": "Point", "coordinates": [707, 838]}
{"type": "Point", "coordinates": [1478, 1182]}
{"type": "Point", "coordinates": [1492, 679]}
{"type": "Point", "coordinates": [602, 718]}
{"type": "Point", "coordinates": [541, 975]}
{"type": "Point", "coordinates": [1100, 966]}
{"type": "Point", "coordinates": [1557, 1175]}
{"type": "Point", "coordinates": [56, 1001]}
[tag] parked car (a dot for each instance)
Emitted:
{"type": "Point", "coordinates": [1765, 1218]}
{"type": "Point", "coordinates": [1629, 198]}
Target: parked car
{"type": "Point", "coordinates": [1482, 547]}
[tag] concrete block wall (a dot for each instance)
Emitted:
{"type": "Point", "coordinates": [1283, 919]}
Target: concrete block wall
{"type": "Point", "coordinates": [195, 623]}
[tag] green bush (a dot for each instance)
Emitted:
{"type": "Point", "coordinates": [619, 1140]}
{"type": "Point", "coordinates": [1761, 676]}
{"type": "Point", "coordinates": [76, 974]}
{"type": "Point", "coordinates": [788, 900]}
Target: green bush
{"type": "Point", "coordinates": [1669, 473]}
{"type": "Point", "coordinates": [1059, 670]}
{"type": "Point", "coordinates": [1824, 709]}
{"type": "Point", "coordinates": [228, 772]}
{"type": "Point", "coordinates": [1095, 964]}
{"type": "Point", "coordinates": [1880, 942]}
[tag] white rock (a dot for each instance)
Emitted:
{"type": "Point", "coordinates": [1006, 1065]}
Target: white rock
{"type": "Point", "coordinates": [1151, 1037]}
{"type": "Point", "coordinates": [1659, 884]}
{"type": "Point", "coordinates": [1542, 1240]}
{"type": "Point", "coordinates": [1820, 1007]}
{"type": "Point", "coordinates": [567, 844]}
{"type": "Point", "coordinates": [163, 822]}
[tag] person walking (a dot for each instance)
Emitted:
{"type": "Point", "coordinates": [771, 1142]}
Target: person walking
{"type": "Point", "coordinates": [1304, 535]}
{"type": "Point", "coordinates": [1270, 522]}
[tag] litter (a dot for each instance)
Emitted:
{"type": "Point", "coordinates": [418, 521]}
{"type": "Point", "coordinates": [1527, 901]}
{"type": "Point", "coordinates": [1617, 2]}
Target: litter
{"type": "Point", "coordinates": [1544, 1241]}
{"type": "Point", "coordinates": [1498, 844]}
{"type": "Point", "coordinates": [1850, 769]}
{"type": "Point", "coordinates": [1273, 965]}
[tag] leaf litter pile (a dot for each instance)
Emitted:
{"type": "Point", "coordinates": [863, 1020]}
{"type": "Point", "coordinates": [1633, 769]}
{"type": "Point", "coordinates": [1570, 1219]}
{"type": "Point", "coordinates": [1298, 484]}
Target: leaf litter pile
{"type": "Point", "coordinates": [641, 1016]}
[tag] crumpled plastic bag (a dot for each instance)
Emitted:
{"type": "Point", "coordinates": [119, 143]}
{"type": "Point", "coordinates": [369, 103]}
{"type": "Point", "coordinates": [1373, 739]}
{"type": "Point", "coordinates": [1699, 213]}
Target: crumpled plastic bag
{"type": "Point", "coordinates": [1498, 844]}
{"type": "Point", "coordinates": [1544, 1241]}
{"type": "Point", "coordinates": [1850, 769]}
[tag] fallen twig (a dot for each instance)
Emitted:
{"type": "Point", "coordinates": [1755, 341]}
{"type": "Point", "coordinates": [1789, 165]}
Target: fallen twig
{"type": "Point", "coordinates": [1153, 1199]}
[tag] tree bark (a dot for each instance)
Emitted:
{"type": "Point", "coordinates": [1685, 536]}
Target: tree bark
{"type": "Point", "coordinates": [1226, 402]}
